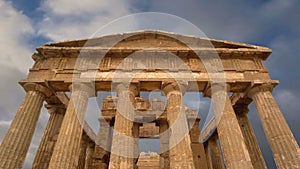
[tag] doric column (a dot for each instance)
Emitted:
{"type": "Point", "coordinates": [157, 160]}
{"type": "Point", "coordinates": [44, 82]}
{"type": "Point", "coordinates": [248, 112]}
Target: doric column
{"type": "Point", "coordinates": [17, 140]}
{"type": "Point", "coordinates": [67, 149]}
{"type": "Point", "coordinates": [136, 148]}
{"type": "Point", "coordinates": [46, 147]}
{"type": "Point", "coordinates": [216, 156]}
{"type": "Point", "coordinates": [180, 144]}
{"type": "Point", "coordinates": [82, 154]}
{"type": "Point", "coordinates": [256, 156]}
{"type": "Point", "coordinates": [207, 154]}
{"type": "Point", "coordinates": [233, 145]}
{"type": "Point", "coordinates": [281, 140]}
{"type": "Point", "coordinates": [123, 154]}
{"type": "Point", "coordinates": [103, 143]}
{"type": "Point", "coordinates": [89, 156]}
{"type": "Point", "coordinates": [199, 156]}
{"type": "Point", "coordinates": [164, 145]}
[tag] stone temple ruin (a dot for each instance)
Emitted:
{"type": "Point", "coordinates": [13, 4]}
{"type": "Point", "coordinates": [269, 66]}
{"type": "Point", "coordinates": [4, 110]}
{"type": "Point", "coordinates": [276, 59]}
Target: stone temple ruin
{"type": "Point", "coordinates": [230, 73]}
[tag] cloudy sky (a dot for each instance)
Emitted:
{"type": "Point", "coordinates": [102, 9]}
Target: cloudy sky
{"type": "Point", "coordinates": [25, 25]}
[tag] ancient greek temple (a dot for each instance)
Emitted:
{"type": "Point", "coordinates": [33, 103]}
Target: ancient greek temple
{"type": "Point", "coordinates": [66, 75]}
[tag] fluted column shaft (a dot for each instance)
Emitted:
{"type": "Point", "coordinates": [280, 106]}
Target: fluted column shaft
{"type": "Point", "coordinates": [89, 156]}
{"type": "Point", "coordinates": [199, 156]}
{"type": "Point", "coordinates": [82, 154]}
{"type": "Point", "coordinates": [17, 140]}
{"type": "Point", "coordinates": [123, 154]}
{"type": "Point", "coordinates": [180, 144]}
{"type": "Point", "coordinates": [256, 156]}
{"type": "Point", "coordinates": [283, 144]}
{"type": "Point", "coordinates": [164, 146]}
{"type": "Point", "coordinates": [67, 149]}
{"type": "Point", "coordinates": [46, 147]}
{"type": "Point", "coordinates": [136, 148]}
{"type": "Point", "coordinates": [234, 148]}
{"type": "Point", "coordinates": [216, 157]}
{"type": "Point", "coordinates": [103, 144]}
{"type": "Point", "coordinates": [208, 159]}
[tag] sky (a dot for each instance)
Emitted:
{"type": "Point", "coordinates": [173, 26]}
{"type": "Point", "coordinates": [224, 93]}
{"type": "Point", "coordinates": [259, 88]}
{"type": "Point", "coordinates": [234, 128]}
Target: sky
{"type": "Point", "coordinates": [25, 25]}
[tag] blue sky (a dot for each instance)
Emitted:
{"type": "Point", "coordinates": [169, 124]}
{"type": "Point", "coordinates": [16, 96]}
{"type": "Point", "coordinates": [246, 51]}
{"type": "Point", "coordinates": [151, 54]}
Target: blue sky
{"type": "Point", "coordinates": [272, 23]}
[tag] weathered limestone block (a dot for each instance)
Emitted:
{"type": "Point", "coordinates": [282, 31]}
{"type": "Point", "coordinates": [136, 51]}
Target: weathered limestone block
{"type": "Point", "coordinates": [100, 157]}
{"type": "Point", "coordinates": [148, 160]}
{"type": "Point", "coordinates": [149, 130]}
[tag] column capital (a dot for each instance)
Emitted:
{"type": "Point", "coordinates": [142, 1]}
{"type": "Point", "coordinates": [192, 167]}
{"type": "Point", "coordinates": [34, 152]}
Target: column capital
{"type": "Point", "coordinates": [85, 138]}
{"type": "Point", "coordinates": [123, 87]}
{"type": "Point", "coordinates": [59, 109]}
{"type": "Point", "coordinates": [105, 119]}
{"type": "Point", "coordinates": [192, 115]}
{"type": "Point", "coordinates": [83, 86]}
{"type": "Point", "coordinates": [261, 88]}
{"type": "Point", "coordinates": [240, 109]}
{"type": "Point", "coordinates": [161, 120]}
{"type": "Point", "coordinates": [214, 136]}
{"type": "Point", "coordinates": [37, 87]}
{"type": "Point", "coordinates": [171, 86]}
{"type": "Point", "coordinates": [216, 87]}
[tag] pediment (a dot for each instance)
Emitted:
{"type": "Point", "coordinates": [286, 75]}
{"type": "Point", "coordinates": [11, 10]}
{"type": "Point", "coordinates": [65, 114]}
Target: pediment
{"type": "Point", "coordinates": [152, 39]}
{"type": "Point", "coordinates": [148, 39]}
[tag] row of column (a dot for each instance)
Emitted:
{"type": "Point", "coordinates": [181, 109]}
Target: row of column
{"type": "Point", "coordinates": [16, 142]}
{"type": "Point", "coordinates": [282, 142]}
{"type": "Point", "coordinates": [238, 143]}
{"type": "Point", "coordinates": [237, 139]}
{"type": "Point", "coordinates": [48, 141]}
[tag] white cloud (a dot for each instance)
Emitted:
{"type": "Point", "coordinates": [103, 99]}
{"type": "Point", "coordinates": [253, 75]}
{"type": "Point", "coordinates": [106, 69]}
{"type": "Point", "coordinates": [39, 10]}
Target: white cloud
{"type": "Point", "coordinates": [15, 60]}
{"type": "Point", "coordinates": [15, 28]}
{"type": "Point", "coordinates": [79, 19]}
{"type": "Point", "coordinates": [79, 8]}
{"type": "Point", "coordinates": [15, 57]}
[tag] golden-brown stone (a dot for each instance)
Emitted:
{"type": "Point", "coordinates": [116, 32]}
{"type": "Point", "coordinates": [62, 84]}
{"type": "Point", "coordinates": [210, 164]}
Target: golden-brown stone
{"type": "Point", "coordinates": [142, 60]}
